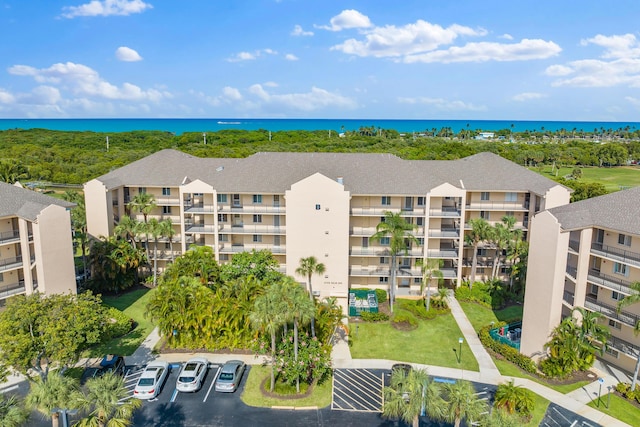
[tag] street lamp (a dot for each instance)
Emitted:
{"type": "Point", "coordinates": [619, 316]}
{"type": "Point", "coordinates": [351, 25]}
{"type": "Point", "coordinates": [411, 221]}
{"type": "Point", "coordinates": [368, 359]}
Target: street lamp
{"type": "Point", "coordinates": [460, 341]}
{"type": "Point", "coordinates": [601, 381]}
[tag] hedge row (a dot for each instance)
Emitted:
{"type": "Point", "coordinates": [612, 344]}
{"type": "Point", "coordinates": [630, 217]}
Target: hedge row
{"type": "Point", "coordinates": [511, 354]}
{"type": "Point", "coordinates": [625, 390]}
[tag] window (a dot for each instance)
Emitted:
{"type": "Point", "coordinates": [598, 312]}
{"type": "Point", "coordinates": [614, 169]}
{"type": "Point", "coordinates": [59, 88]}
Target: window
{"type": "Point", "coordinates": [484, 215]}
{"type": "Point", "coordinates": [223, 237]}
{"type": "Point", "coordinates": [166, 210]}
{"type": "Point", "coordinates": [166, 191]}
{"type": "Point", "coordinates": [420, 221]}
{"type": "Point", "coordinates": [615, 324]}
{"type": "Point", "coordinates": [1, 277]}
{"type": "Point", "coordinates": [382, 219]}
{"type": "Point", "coordinates": [257, 218]}
{"type": "Point", "coordinates": [383, 279]}
{"type": "Point", "coordinates": [624, 239]}
{"type": "Point", "coordinates": [622, 269]}
{"type": "Point", "coordinates": [421, 201]}
{"type": "Point", "coordinates": [482, 252]}
{"type": "Point", "coordinates": [420, 241]}
{"type": "Point", "coordinates": [257, 198]}
{"type": "Point", "coordinates": [611, 352]}
{"type": "Point", "coordinates": [510, 197]}
{"type": "Point", "coordinates": [616, 295]}
{"type": "Point", "coordinates": [510, 213]}
{"type": "Point", "coordinates": [594, 290]}
{"type": "Point", "coordinates": [386, 200]}
{"type": "Point", "coordinates": [417, 280]}
{"type": "Point", "coordinates": [142, 190]}
{"type": "Point", "coordinates": [317, 207]}
{"type": "Point", "coordinates": [484, 195]}
{"type": "Point", "coordinates": [222, 198]}
{"type": "Point", "coordinates": [222, 217]}
{"type": "Point", "coordinates": [384, 260]}
{"type": "Point", "coordinates": [385, 241]}
{"type": "Point", "coordinates": [224, 257]}
{"type": "Point", "coordinates": [236, 200]}
{"type": "Point", "coordinates": [257, 238]}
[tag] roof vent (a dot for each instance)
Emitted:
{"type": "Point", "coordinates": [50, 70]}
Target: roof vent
{"type": "Point", "coordinates": [340, 180]}
{"type": "Point", "coordinates": [219, 168]}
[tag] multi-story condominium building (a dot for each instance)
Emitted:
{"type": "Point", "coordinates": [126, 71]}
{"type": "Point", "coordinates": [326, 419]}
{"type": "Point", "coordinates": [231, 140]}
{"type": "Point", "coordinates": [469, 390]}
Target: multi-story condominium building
{"type": "Point", "coordinates": [36, 249]}
{"type": "Point", "coordinates": [585, 254]}
{"type": "Point", "coordinates": [325, 205]}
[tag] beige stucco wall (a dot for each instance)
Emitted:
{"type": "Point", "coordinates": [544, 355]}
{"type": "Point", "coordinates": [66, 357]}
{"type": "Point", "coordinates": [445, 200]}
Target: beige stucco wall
{"type": "Point", "coordinates": [99, 209]}
{"type": "Point", "coordinates": [323, 233]}
{"type": "Point", "coordinates": [53, 249]}
{"type": "Point", "coordinates": [545, 282]}
{"type": "Point", "coordinates": [555, 196]}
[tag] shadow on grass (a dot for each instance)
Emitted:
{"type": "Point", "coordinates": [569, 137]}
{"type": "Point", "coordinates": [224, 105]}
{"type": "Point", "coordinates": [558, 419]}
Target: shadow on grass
{"type": "Point", "coordinates": [126, 300]}
{"type": "Point", "coordinates": [124, 345]}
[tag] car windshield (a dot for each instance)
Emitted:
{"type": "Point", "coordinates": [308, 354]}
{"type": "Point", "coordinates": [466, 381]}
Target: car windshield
{"type": "Point", "coordinates": [146, 381]}
{"type": "Point", "coordinates": [226, 376]}
{"type": "Point", "coordinates": [186, 379]}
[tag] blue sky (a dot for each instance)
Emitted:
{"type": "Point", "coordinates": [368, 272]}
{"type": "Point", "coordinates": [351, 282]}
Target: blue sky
{"type": "Point", "coordinates": [405, 59]}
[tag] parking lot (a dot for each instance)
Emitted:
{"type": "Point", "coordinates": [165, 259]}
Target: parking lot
{"type": "Point", "coordinates": [358, 390]}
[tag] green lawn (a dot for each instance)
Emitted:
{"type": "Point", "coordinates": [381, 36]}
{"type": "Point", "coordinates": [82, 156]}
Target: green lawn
{"type": "Point", "coordinates": [539, 410]}
{"type": "Point", "coordinates": [480, 316]}
{"type": "Point", "coordinates": [611, 178]}
{"type": "Point", "coordinates": [252, 396]}
{"type": "Point", "coordinates": [619, 408]}
{"type": "Point", "coordinates": [434, 342]}
{"type": "Point", "coordinates": [133, 304]}
{"type": "Point", "coordinates": [511, 370]}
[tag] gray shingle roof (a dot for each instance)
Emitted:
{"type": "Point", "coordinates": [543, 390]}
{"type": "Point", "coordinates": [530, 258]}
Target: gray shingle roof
{"type": "Point", "coordinates": [619, 211]}
{"type": "Point", "coordinates": [23, 203]}
{"type": "Point", "coordinates": [275, 172]}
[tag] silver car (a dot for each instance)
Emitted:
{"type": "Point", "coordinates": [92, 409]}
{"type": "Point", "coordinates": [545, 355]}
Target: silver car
{"type": "Point", "coordinates": [192, 374]}
{"type": "Point", "coordinates": [230, 376]}
{"type": "Point", "coordinates": [151, 380]}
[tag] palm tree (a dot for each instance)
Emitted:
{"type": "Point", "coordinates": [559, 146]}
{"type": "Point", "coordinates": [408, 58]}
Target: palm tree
{"type": "Point", "coordinates": [479, 233]}
{"type": "Point", "coordinates": [57, 391]}
{"type": "Point", "coordinates": [634, 298]}
{"type": "Point", "coordinates": [154, 229]}
{"type": "Point", "coordinates": [106, 402]}
{"type": "Point", "coordinates": [513, 398]}
{"type": "Point", "coordinates": [308, 267]}
{"type": "Point", "coordinates": [409, 394]}
{"type": "Point", "coordinates": [463, 403]}
{"type": "Point", "coordinates": [501, 418]}
{"type": "Point", "coordinates": [11, 171]}
{"type": "Point", "coordinates": [398, 231]}
{"type": "Point", "coordinates": [144, 203]}
{"type": "Point", "coordinates": [12, 414]}
{"type": "Point", "coordinates": [431, 269]}
{"type": "Point", "coordinates": [79, 223]}
{"type": "Point", "coordinates": [166, 230]}
{"type": "Point", "coordinates": [128, 228]}
{"type": "Point", "coordinates": [501, 235]}
{"type": "Point", "coordinates": [269, 314]}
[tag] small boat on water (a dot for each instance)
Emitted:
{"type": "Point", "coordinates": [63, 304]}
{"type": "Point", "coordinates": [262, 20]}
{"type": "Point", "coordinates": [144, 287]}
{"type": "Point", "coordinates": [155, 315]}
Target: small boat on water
{"type": "Point", "coordinates": [229, 123]}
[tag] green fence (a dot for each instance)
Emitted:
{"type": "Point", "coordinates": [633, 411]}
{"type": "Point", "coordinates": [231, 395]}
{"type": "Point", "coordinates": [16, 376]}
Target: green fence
{"type": "Point", "coordinates": [508, 334]}
{"type": "Point", "coordinates": [360, 300]}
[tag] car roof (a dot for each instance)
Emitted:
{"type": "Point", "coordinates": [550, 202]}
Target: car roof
{"type": "Point", "coordinates": [231, 365]}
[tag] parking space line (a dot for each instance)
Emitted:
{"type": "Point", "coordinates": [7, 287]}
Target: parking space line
{"type": "Point", "coordinates": [174, 395]}
{"type": "Point", "coordinates": [212, 383]}
{"type": "Point", "coordinates": [357, 390]}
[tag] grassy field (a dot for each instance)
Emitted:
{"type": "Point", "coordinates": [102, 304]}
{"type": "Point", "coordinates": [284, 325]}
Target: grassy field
{"type": "Point", "coordinates": [480, 316]}
{"type": "Point", "coordinates": [252, 396]}
{"type": "Point", "coordinates": [612, 178]}
{"type": "Point", "coordinates": [539, 410]}
{"type": "Point", "coordinates": [619, 408]}
{"type": "Point", "coordinates": [133, 304]}
{"type": "Point", "coordinates": [434, 342]}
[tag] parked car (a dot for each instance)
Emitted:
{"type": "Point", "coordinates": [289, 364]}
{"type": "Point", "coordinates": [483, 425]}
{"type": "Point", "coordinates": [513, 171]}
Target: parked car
{"type": "Point", "coordinates": [192, 374]}
{"type": "Point", "coordinates": [111, 363]}
{"type": "Point", "coordinates": [151, 381]}
{"type": "Point", "coordinates": [230, 376]}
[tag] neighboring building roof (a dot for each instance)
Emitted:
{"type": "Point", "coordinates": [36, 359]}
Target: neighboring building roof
{"type": "Point", "coordinates": [617, 211]}
{"type": "Point", "coordinates": [23, 203]}
{"type": "Point", "coordinates": [275, 172]}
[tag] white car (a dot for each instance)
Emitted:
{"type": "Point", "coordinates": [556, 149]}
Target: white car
{"type": "Point", "coordinates": [151, 381]}
{"type": "Point", "coordinates": [192, 374]}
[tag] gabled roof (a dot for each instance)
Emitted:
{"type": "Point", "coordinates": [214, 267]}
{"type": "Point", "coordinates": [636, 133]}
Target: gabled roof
{"type": "Point", "coordinates": [275, 172]}
{"type": "Point", "coordinates": [619, 211]}
{"type": "Point", "coordinates": [23, 203]}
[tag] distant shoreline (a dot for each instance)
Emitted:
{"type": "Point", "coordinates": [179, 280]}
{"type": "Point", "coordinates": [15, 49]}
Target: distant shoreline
{"type": "Point", "coordinates": [179, 126]}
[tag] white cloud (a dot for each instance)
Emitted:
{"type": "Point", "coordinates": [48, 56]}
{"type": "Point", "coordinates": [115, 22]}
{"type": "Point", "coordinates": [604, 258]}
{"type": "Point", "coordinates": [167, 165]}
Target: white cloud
{"type": "Point", "coordinates": [391, 41]}
{"type": "Point", "coordinates": [617, 46]}
{"type": "Point", "coordinates": [45, 95]}
{"type": "Point", "coordinates": [231, 93]}
{"type": "Point", "coordinates": [442, 104]}
{"type": "Point", "coordinates": [632, 100]}
{"type": "Point", "coordinates": [524, 50]}
{"type": "Point", "coordinates": [526, 96]}
{"type": "Point", "coordinates": [558, 70]}
{"type": "Point", "coordinates": [6, 97]}
{"type": "Point", "coordinates": [106, 8]}
{"type": "Point", "coordinates": [298, 31]}
{"type": "Point", "coordinates": [506, 36]}
{"type": "Point", "coordinates": [270, 84]}
{"type": "Point", "coordinates": [127, 54]}
{"type": "Point", "coordinates": [84, 81]}
{"type": "Point", "coordinates": [290, 57]}
{"type": "Point", "coordinates": [347, 19]}
{"type": "Point", "coordinates": [250, 56]}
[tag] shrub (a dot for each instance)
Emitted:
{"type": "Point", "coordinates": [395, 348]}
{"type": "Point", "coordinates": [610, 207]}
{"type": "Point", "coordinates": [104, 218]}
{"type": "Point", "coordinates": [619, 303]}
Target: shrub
{"type": "Point", "coordinates": [374, 317]}
{"type": "Point", "coordinates": [404, 316]}
{"type": "Point", "coordinates": [625, 390]}
{"type": "Point", "coordinates": [119, 323]}
{"type": "Point", "coordinates": [381, 294]}
{"type": "Point", "coordinates": [511, 354]}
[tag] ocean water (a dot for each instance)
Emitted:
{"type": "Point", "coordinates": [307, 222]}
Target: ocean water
{"type": "Point", "coordinates": [178, 126]}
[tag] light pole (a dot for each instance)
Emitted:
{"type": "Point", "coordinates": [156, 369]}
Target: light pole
{"type": "Point", "coordinates": [600, 381]}
{"type": "Point", "coordinates": [460, 341]}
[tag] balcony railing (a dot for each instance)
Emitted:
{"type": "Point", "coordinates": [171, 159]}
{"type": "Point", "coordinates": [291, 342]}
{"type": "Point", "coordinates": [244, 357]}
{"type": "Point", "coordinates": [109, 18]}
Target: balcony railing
{"type": "Point", "coordinates": [383, 272]}
{"type": "Point", "coordinates": [568, 297]}
{"type": "Point", "coordinates": [228, 248]}
{"type": "Point", "coordinates": [167, 201]}
{"type": "Point", "coordinates": [574, 245]}
{"type": "Point", "coordinates": [625, 317]}
{"type": "Point", "coordinates": [252, 229]}
{"type": "Point", "coordinates": [8, 236]}
{"type": "Point", "coordinates": [12, 289]}
{"type": "Point", "coordinates": [624, 346]}
{"type": "Point", "coordinates": [449, 212]}
{"type": "Point", "coordinates": [10, 263]}
{"type": "Point", "coordinates": [251, 209]}
{"type": "Point", "coordinates": [502, 206]}
{"type": "Point", "coordinates": [198, 208]}
{"type": "Point", "coordinates": [442, 253]}
{"type": "Point", "coordinates": [610, 282]}
{"type": "Point", "coordinates": [445, 233]}
{"type": "Point", "coordinates": [572, 272]}
{"type": "Point", "coordinates": [383, 251]}
{"type": "Point", "coordinates": [616, 253]}
{"type": "Point", "coordinates": [200, 228]}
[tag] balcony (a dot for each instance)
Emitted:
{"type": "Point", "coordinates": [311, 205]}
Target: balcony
{"type": "Point", "coordinates": [445, 233]}
{"type": "Point", "coordinates": [252, 209]}
{"type": "Point", "coordinates": [380, 271]}
{"type": "Point", "coordinates": [496, 206]}
{"type": "Point", "coordinates": [12, 289]}
{"type": "Point", "coordinates": [616, 254]}
{"type": "Point", "coordinates": [9, 236]}
{"type": "Point", "coordinates": [165, 255]}
{"type": "Point", "coordinates": [383, 251]}
{"type": "Point", "coordinates": [574, 245]}
{"type": "Point", "coordinates": [252, 229]}
{"type": "Point", "coordinates": [624, 346]}
{"type": "Point", "coordinates": [610, 282]}
{"type": "Point", "coordinates": [10, 263]}
{"type": "Point", "coordinates": [199, 228]}
{"type": "Point", "coordinates": [168, 201]}
{"type": "Point", "coordinates": [227, 248]}
{"type": "Point", "coordinates": [444, 212]}
{"type": "Point", "coordinates": [198, 208]}
{"type": "Point", "coordinates": [572, 272]}
{"type": "Point", "coordinates": [443, 253]}
{"type": "Point", "coordinates": [625, 317]}
{"type": "Point", "coordinates": [568, 297]}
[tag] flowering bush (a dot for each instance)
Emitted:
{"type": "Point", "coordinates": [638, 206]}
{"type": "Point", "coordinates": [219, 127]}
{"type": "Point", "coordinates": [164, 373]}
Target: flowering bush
{"type": "Point", "coordinates": [314, 359]}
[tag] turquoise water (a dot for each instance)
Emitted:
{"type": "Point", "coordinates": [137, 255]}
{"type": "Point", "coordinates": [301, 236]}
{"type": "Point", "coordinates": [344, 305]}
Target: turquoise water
{"type": "Point", "coordinates": [179, 126]}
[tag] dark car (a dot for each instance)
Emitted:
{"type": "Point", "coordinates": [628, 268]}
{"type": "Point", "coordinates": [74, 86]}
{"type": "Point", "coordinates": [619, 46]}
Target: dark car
{"type": "Point", "coordinates": [111, 363]}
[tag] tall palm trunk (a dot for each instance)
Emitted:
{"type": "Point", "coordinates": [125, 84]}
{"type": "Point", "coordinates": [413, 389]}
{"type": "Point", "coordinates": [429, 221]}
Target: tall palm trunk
{"type": "Point", "coordinates": [295, 349]}
{"type": "Point", "coordinates": [273, 359]}
{"type": "Point", "coordinates": [392, 285]}
{"type": "Point", "coordinates": [474, 264]}
{"type": "Point", "coordinates": [313, 301]}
